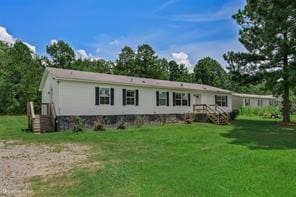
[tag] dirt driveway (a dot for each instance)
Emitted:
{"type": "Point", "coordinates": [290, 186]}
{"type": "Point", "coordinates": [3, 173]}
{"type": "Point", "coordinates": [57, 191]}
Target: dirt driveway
{"type": "Point", "coordinates": [20, 162]}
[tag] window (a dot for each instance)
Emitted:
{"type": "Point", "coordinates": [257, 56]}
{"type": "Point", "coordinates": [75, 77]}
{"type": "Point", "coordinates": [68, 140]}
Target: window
{"type": "Point", "coordinates": [184, 99]}
{"type": "Point", "coordinates": [130, 97]}
{"type": "Point", "coordinates": [163, 98]}
{"type": "Point", "coordinates": [181, 99]}
{"type": "Point", "coordinates": [221, 101]}
{"type": "Point", "coordinates": [247, 102]}
{"type": "Point", "coordinates": [272, 102]}
{"type": "Point", "coordinates": [105, 96]}
{"type": "Point", "coordinates": [260, 102]}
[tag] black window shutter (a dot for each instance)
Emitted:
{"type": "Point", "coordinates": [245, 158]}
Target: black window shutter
{"type": "Point", "coordinates": [97, 96]}
{"type": "Point", "coordinates": [174, 98]}
{"type": "Point", "coordinates": [157, 98]}
{"type": "Point", "coordinates": [189, 99]}
{"type": "Point", "coordinates": [226, 101]}
{"type": "Point", "coordinates": [123, 96]}
{"type": "Point", "coordinates": [168, 99]}
{"type": "Point", "coordinates": [216, 99]}
{"type": "Point", "coordinates": [137, 97]}
{"type": "Point", "coordinates": [112, 96]}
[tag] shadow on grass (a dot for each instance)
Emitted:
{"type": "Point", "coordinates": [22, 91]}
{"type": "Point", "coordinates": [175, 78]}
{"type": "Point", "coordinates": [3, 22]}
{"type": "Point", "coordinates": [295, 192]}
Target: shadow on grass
{"type": "Point", "coordinates": [262, 134]}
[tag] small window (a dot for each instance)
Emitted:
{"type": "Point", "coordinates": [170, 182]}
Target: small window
{"type": "Point", "coordinates": [184, 99]}
{"type": "Point", "coordinates": [162, 98]}
{"type": "Point", "coordinates": [271, 102]}
{"type": "Point", "coordinates": [181, 99]}
{"type": "Point", "coordinates": [105, 96]}
{"type": "Point", "coordinates": [221, 101]}
{"type": "Point", "coordinates": [260, 102]}
{"type": "Point", "coordinates": [247, 102]}
{"type": "Point", "coordinates": [130, 97]}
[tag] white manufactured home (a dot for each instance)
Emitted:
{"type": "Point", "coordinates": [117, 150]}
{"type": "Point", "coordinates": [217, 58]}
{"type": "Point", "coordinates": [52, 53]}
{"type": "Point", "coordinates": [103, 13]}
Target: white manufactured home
{"type": "Point", "coordinates": [252, 100]}
{"type": "Point", "coordinates": [68, 94]}
{"type": "Point", "coordinates": [77, 93]}
{"type": "Point", "coordinates": [91, 95]}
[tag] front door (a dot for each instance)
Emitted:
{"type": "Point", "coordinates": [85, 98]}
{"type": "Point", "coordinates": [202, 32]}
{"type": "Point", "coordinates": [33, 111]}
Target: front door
{"type": "Point", "coordinates": [197, 99]}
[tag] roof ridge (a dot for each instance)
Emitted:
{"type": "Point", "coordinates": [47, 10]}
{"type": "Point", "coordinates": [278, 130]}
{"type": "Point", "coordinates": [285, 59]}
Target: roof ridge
{"type": "Point", "coordinates": [85, 75]}
{"type": "Point", "coordinates": [127, 76]}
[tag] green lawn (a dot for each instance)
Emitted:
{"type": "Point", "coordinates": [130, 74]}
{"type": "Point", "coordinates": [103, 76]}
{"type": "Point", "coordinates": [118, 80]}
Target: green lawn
{"type": "Point", "coordinates": [251, 157]}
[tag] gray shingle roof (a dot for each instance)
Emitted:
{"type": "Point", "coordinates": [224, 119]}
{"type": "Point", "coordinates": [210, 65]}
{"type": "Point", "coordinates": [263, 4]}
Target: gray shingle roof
{"type": "Point", "coordinates": [65, 74]}
{"type": "Point", "coordinates": [254, 96]}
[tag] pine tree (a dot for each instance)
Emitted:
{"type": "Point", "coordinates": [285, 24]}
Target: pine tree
{"type": "Point", "coordinates": [268, 34]}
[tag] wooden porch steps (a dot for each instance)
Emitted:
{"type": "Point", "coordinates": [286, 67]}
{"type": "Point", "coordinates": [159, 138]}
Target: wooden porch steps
{"type": "Point", "coordinates": [214, 113]}
{"type": "Point", "coordinates": [217, 119]}
{"type": "Point", "coordinates": [42, 124]}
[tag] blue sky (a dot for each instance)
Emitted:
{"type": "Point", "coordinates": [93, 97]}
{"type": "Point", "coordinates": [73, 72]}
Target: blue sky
{"type": "Point", "coordinates": [184, 30]}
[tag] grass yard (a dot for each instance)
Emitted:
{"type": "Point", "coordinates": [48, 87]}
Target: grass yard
{"type": "Point", "coordinates": [251, 157]}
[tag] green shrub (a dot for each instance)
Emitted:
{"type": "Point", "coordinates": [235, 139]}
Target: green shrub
{"type": "Point", "coordinates": [99, 125]}
{"type": "Point", "coordinates": [78, 125]}
{"type": "Point", "coordinates": [121, 125]}
{"type": "Point", "coordinates": [259, 111]}
{"type": "Point", "coordinates": [139, 121]}
{"type": "Point", "coordinates": [188, 119]}
{"type": "Point", "coordinates": [234, 114]}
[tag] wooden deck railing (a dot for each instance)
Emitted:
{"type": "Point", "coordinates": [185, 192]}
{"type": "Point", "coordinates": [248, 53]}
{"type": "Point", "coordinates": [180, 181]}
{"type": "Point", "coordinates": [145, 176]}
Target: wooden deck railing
{"type": "Point", "coordinates": [47, 110]}
{"type": "Point", "coordinates": [30, 114]}
{"type": "Point", "coordinates": [221, 111]}
{"type": "Point", "coordinates": [209, 110]}
{"type": "Point", "coordinates": [30, 109]}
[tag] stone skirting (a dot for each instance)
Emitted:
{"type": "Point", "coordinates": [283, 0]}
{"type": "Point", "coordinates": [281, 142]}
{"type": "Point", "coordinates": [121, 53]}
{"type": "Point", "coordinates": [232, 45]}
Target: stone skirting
{"type": "Point", "coordinates": [67, 122]}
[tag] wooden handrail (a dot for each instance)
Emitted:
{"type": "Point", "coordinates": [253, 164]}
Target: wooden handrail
{"type": "Point", "coordinates": [47, 109]}
{"type": "Point", "coordinates": [211, 109]}
{"type": "Point", "coordinates": [50, 112]}
{"type": "Point", "coordinates": [30, 110]}
{"type": "Point", "coordinates": [221, 111]}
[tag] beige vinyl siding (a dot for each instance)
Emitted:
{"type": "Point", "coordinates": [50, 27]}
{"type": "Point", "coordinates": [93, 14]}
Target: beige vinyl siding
{"type": "Point", "coordinates": [78, 98]}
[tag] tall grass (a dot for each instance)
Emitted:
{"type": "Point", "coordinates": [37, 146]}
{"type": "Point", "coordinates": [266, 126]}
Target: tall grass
{"type": "Point", "coordinates": [259, 111]}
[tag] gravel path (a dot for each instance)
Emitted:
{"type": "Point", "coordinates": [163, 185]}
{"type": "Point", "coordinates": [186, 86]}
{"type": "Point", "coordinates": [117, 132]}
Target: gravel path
{"type": "Point", "coordinates": [20, 162]}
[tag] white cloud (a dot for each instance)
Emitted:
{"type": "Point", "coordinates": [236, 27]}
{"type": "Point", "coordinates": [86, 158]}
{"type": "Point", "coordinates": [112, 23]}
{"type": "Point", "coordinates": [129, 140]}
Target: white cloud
{"type": "Point", "coordinates": [182, 58]}
{"type": "Point", "coordinates": [208, 17]}
{"type": "Point", "coordinates": [224, 13]}
{"type": "Point", "coordinates": [166, 4]}
{"type": "Point", "coordinates": [196, 51]}
{"type": "Point", "coordinates": [81, 54]}
{"type": "Point", "coordinates": [53, 41]}
{"type": "Point", "coordinates": [98, 50]}
{"type": "Point", "coordinates": [31, 47]}
{"type": "Point", "coordinates": [5, 36]}
{"type": "Point", "coordinates": [9, 39]}
{"type": "Point", "coordinates": [115, 42]}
